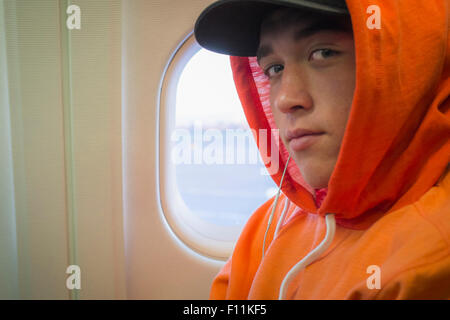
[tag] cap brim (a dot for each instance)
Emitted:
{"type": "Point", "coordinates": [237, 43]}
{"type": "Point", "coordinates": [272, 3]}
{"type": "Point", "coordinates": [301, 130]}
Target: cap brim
{"type": "Point", "coordinates": [232, 26]}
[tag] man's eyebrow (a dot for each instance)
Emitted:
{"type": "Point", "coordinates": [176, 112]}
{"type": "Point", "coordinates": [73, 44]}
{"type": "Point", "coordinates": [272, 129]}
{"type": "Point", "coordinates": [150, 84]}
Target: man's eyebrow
{"type": "Point", "coordinates": [306, 32]}
{"type": "Point", "coordinates": [263, 51]}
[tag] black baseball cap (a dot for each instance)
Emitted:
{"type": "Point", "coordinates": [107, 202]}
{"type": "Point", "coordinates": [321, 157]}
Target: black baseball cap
{"type": "Point", "coordinates": [232, 27]}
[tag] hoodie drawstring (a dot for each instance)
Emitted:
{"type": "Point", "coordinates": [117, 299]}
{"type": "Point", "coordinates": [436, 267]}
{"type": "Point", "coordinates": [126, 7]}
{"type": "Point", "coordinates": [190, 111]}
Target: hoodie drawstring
{"type": "Point", "coordinates": [311, 256]}
{"type": "Point", "coordinates": [273, 208]}
{"type": "Point", "coordinates": [287, 203]}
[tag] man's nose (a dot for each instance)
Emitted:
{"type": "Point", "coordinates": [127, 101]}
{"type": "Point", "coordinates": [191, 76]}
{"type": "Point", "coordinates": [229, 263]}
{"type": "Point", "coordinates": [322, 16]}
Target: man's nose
{"type": "Point", "coordinates": [292, 92]}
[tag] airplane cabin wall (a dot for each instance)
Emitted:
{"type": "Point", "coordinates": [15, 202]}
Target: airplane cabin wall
{"type": "Point", "coordinates": [78, 150]}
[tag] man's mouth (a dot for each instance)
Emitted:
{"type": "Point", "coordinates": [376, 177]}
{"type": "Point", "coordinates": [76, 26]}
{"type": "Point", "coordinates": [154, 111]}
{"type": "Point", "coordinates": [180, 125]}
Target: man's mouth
{"type": "Point", "coordinates": [300, 139]}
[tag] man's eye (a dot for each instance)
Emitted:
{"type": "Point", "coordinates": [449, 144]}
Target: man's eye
{"type": "Point", "coordinates": [273, 70]}
{"type": "Point", "coordinates": [322, 54]}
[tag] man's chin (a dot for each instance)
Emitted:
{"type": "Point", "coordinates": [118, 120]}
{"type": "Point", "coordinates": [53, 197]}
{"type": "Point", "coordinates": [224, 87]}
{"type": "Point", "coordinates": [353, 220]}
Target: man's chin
{"type": "Point", "coordinates": [314, 176]}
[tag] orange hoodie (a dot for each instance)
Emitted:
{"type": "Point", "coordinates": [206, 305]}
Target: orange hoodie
{"type": "Point", "coordinates": [390, 189]}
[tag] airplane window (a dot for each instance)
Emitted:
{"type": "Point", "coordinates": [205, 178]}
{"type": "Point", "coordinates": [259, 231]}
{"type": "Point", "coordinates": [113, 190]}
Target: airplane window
{"type": "Point", "coordinates": [211, 177]}
{"type": "Point", "coordinates": [218, 169]}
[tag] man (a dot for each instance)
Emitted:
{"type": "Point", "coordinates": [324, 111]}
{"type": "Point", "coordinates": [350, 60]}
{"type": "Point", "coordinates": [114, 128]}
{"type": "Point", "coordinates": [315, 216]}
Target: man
{"type": "Point", "coordinates": [364, 114]}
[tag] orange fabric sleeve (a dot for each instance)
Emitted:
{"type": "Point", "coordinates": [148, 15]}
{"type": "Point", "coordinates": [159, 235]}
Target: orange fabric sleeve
{"type": "Point", "coordinates": [219, 287]}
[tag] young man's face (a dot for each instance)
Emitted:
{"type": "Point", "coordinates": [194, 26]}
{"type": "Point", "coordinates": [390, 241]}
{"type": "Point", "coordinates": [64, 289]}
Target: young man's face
{"type": "Point", "coordinates": [312, 80]}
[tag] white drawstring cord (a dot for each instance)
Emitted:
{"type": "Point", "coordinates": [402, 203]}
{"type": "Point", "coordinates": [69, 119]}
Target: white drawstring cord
{"type": "Point", "coordinates": [287, 202]}
{"type": "Point", "coordinates": [311, 256]}
{"type": "Point", "coordinates": [273, 208]}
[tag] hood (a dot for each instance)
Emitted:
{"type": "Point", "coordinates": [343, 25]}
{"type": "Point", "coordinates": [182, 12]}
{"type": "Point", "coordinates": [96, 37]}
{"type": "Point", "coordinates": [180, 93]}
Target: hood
{"type": "Point", "coordinates": [396, 145]}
